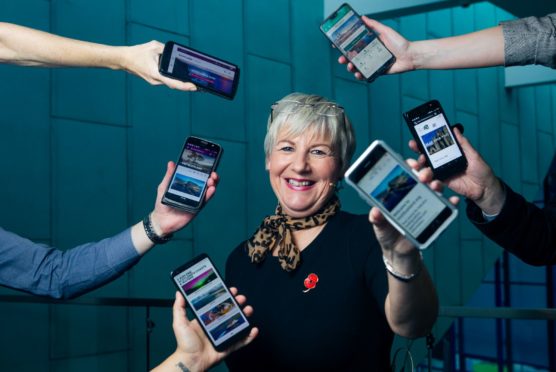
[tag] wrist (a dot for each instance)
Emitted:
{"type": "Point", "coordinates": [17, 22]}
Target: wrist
{"type": "Point", "coordinates": [154, 231]}
{"type": "Point", "coordinates": [404, 268]}
{"type": "Point", "coordinates": [492, 199]}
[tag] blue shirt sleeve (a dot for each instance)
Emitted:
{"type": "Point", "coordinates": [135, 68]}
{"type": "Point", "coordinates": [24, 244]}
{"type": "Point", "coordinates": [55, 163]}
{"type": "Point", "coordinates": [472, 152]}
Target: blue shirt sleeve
{"type": "Point", "coordinates": [47, 271]}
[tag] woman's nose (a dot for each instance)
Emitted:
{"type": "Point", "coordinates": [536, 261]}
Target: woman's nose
{"type": "Point", "coordinates": [301, 162]}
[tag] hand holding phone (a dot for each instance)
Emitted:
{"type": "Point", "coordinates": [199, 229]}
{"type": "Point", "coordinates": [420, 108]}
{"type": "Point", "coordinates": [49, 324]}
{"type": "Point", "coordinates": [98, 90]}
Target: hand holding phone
{"type": "Point", "coordinates": [434, 136]}
{"type": "Point", "coordinates": [214, 306]}
{"type": "Point", "coordinates": [358, 43]}
{"type": "Point", "coordinates": [381, 177]}
{"type": "Point", "coordinates": [188, 185]}
{"type": "Point", "coordinates": [209, 73]}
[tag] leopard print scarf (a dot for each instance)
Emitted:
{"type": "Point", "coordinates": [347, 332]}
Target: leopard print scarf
{"type": "Point", "coordinates": [277, 230]}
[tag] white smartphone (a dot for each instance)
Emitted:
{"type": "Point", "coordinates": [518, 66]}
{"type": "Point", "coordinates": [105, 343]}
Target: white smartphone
{"type": "Point", "coordinates": [384, 180]}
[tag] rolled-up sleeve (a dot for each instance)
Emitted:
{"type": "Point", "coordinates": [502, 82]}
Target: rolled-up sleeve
{"type": "Point", "coordinates": [530, 40]}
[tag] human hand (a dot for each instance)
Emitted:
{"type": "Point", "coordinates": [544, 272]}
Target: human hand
{"type": "Point", "coordinates": [477, 183]}
{"type": "Point", "coordinates": [396, 43]}
{"type": "Point", "coordinates": [142, 60]}
{"type": "Point", "coordinates": [194, 348]}
{"type": "Point", "coordinates": [167, 220]}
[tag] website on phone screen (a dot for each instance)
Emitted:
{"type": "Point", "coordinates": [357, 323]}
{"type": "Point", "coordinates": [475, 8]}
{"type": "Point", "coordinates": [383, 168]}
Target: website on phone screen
{"type": "Point", "coordinates": [202, 70]}
{"type": "Point", "coordinates": [437, 140]}
{"type": "Point", "coordinates": [211, 301]}
{"type": "Point", "coordinates": [193, 171]}
{"type": "Point", "coordinates": [352, 37]}
{"type": "Point", "coordinates": [408, 201]}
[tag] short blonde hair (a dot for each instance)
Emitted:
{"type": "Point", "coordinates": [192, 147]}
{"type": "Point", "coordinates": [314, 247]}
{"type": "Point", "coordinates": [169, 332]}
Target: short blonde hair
{"type": "Point", "coordinates": [297, 114]}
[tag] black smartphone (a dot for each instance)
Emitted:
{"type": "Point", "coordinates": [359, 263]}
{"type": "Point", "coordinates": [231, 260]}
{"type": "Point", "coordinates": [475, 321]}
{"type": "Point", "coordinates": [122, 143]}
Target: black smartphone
{"type": "Point", "coordinates": [358, 43]}
{"type": "Point", "coordinates": [432, 132]}
{"type": "Point", "coordinates": [197, 160]}
{"type": "Point", "coordinates": [207, 72]}
{"type": "Point", "coordinates": [215, 308]}
{"type": "Point", "coordinates": [383, 179]}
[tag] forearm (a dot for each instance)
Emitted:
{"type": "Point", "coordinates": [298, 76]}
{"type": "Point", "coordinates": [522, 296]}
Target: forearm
{"type": "Point", "coordinates": [411, 307]}
{"type": "Point", "coordinates": [46, 271]}
{"type": "Point", "coordinates": [178, 362]}
{"type": "Point", "coordinates": [477, 49]}
{"type": "Point", "coordinates": [28, 47]}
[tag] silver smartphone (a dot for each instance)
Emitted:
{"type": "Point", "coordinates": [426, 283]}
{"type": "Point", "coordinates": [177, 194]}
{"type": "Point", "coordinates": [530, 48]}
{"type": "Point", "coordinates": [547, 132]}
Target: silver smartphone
{"type": "Point", "coordinates": [384, 180]}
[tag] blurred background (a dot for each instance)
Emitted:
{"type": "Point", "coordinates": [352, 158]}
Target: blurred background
{"type": "Point", "coordinates": [83, 150]}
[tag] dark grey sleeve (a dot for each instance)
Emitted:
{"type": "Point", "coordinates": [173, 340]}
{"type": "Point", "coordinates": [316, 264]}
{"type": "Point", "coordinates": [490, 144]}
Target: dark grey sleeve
{"type": "Point", "coordinates": [51, 272]}
{"type": "Point", "coordinates": [530, 41]}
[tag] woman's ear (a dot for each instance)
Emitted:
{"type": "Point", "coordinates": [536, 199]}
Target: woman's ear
{"type": "Point", "coordinates": [267, 163]}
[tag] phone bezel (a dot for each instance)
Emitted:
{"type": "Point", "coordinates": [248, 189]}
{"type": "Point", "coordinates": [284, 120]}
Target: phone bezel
{"type": "Point", "coordinates": [238, 336]}
{"type": "Point", "coordinates": [384, 67]}
{"type": "Point", "coordinates": [362, 165]}
{"type": "Point", "coordinates": [185, 204]}
{"type": "Point", "coordinates": [453, 167]}
{"type": "Point", "coordinates": [165, 60]}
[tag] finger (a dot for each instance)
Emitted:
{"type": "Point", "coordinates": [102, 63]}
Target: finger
{"type": "Point", "coordinates": [252, 334]}
{"type": "Point", "coordinates": [454, 200]}
{"type": "Point", "coordinates": [426, 175]}
{"type": "Point", "coordinates": [413, 146]}
{"type": "Point", "coordinates": [248, 310]}
{"type": "Point", "coordinates": [376, 217]}
{"type": "Point", "coordinates": [213, 179]}
{"type": "Point", "coordinates": [413, 164]}
{"type": "Point", "coordinates": [233, 290]}
{"type": "Point", "coordinates": [351, 67]}
{"type": "Point", "coordinates": [375, 25]}
{"type": "Point", "coordinates": [468, 150]}
{"type": "Point", "coordinates": [170, 167]}
{"type": "Point", "coordinates": [241, 299]}
{"type": "Point", "coordinates": [437, 186]}
{"type": "Point", "coordinates": [358, 76]}
{"type": "Point", "coordinates": [342, 60]}
{"type": "Point", "coordinates": [422, 159]}
{"type": "Point", "coordinates": [178, 85]}
{"type": "Point", "coordinates": [178, 311]}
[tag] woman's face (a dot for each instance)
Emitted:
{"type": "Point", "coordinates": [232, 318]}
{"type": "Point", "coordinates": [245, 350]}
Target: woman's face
{"type": "Point", "coordinates": [301, 171]}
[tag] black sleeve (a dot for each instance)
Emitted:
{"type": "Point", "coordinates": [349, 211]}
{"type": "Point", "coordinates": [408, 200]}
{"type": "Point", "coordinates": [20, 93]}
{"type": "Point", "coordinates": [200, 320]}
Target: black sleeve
{"type": "Point", "coordinates": [366, 257]}
{"type": "Point", "coordinates": [521, 228]}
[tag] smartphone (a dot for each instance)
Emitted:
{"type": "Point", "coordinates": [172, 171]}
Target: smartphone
{"type": "Point", "coordinates": [198, 159]}
{"type": "Point", "coordinates": [383, 179]}
{"type": "Point", "coordinates": [432, 132]}
{"type": "Point", "coordinates": [215, 308]}
{"type": "Point", "coordinates": [358, 43]}
{"type": "Point", "coordinates": [207, 72]}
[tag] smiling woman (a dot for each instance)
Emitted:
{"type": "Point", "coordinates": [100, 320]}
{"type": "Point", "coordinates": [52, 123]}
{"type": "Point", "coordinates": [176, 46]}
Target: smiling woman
{"type": "Point", "coordinates": [313, 273]}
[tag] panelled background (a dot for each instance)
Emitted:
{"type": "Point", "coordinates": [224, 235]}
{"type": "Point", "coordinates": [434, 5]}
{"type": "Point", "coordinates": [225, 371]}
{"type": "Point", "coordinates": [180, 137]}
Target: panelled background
{"type": "Point", "coordinates": [83, 150]}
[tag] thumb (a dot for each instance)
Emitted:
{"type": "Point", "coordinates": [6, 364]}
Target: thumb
{"type": "Point", "coordinates": [375, 25]}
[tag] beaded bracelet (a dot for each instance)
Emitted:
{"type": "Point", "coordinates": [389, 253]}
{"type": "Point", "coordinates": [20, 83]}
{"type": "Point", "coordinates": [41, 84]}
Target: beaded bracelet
{"type": "Point", "coordinates": [403, 277]}
{"type": "Point", "coordinates": [151, 234]}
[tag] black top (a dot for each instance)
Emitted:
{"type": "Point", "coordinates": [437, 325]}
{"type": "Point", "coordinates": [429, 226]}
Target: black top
{"type": "Point", "coordinates": [340, 324]}
{"type": "Point", "coordinates": [521, 227]}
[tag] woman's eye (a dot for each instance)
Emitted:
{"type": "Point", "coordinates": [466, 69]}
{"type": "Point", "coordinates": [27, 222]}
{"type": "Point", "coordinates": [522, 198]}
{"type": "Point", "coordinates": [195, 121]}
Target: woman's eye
{"type": "Point", "coordinates": [286, 148]}
{"type": "Point", "coordinates": [319, 152]}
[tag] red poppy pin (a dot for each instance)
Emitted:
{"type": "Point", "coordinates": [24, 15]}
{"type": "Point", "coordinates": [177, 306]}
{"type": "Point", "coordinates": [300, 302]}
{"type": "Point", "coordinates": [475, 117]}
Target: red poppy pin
{"type": "Point", "coordinates": [310, 282]}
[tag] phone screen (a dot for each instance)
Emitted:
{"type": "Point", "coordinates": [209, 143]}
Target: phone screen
{"type": "Point", "coordinates": [360, 45]}
{"type": "Point", "coordinates": [213, 305]}
{"type": "Point", "coordinates": [202, 70]}
{"type": "Point", "coordinates": [436, 137]}
{"type": "Point", "coordinates": [193, 170]}
{"type": "Point", "coordinates": [410, 203]}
